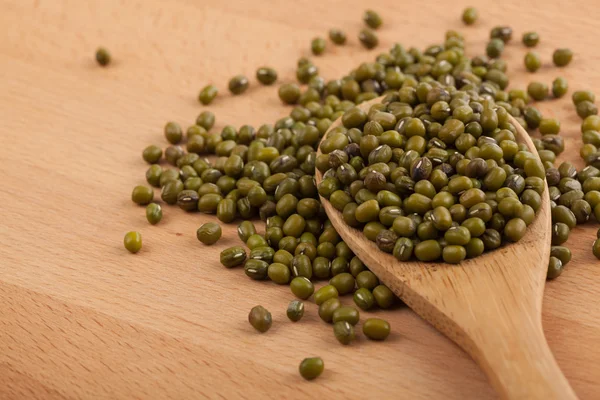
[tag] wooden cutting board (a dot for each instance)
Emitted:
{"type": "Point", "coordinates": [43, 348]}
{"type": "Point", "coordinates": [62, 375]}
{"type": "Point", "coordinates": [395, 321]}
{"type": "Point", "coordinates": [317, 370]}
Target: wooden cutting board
{"type": "Point", "coordinates": [82, 318]}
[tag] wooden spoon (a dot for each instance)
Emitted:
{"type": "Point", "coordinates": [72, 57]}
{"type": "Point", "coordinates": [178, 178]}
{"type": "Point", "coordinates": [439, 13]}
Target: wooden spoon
{"type": "Point", "coordinates": [490, 305]}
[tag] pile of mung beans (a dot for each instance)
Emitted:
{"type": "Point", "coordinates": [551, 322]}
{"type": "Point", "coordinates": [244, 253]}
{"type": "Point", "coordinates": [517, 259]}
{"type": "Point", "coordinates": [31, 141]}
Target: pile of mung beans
{"type": "Point", "coordinates": [432, 172]}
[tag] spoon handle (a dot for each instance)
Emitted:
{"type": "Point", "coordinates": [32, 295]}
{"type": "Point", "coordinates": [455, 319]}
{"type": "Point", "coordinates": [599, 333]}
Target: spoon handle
{"type": "Point", "coordinates": [517, 360]}
{"type": "Point", "coordinates": [497, 320]}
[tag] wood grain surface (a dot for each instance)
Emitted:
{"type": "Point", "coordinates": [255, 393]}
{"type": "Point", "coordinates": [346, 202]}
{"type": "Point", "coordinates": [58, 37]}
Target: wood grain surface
{"type": "Point", "coordinates": [82, 318]}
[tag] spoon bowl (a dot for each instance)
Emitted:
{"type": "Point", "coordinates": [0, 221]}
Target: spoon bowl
{"type": "Point", "coordinates": [489, 305]}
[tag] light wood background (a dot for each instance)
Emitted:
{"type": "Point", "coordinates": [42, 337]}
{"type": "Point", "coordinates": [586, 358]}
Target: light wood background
{"type": "Point", "coordinates": [82, 318]}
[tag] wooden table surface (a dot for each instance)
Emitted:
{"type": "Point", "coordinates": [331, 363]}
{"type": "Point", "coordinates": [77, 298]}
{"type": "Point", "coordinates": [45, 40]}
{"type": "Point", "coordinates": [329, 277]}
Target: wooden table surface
{"type": "Point", "coordinates": [82, 318]}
